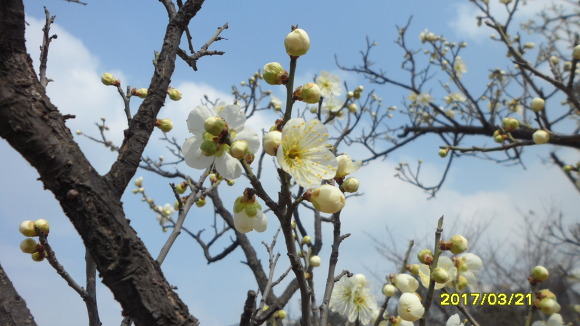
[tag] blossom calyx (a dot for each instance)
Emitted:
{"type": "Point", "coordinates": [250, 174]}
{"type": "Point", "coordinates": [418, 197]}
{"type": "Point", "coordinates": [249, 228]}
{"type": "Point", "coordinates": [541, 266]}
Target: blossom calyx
{"type": "Point", "coordinates": [297, 42]}
{"type": "Point", "coordinates": [327, 199]}
{"type": "Point", "coordinates": [274, 74]}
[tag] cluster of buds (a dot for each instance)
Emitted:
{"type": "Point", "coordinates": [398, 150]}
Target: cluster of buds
{"type": "Point", "coordinates": [457, 244]}
{"type": "Point", "coordinates": [110, 80]}
{"type": "Point", "coordinates": [499, 136]}
{"type": "Point", "coordinates": [32, 229]}
{"type": "Point", "coordinates": [546, 301]}
{"type": "Point", "coordinates": [510, 124]}
{"type": "Point", "coordinates": [356, 93]}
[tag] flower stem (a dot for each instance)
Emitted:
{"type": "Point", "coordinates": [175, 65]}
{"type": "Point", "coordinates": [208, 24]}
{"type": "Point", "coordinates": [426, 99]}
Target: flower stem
{"type": "Point", "coordinates": [290, 89]}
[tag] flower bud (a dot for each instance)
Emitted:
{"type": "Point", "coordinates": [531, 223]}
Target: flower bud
{"type": "Point", "coordinates": [510, 124]}
{"type": "Point", "coordinates": [274, 74]}
{"type": "Point", "coordinates": [327, 199]}
{"type": "Point", "coordinates": [549, 306]}
{"type": "Point", "coordinates": [27, 228]}
{"type": "Point", "coordinates": [174, 94]}
{"type": "Point", "coordinates": [567, 168]}
{"type": "Point", "coordinates": [108, 79]}
{"type": "Point", "coordinates": [537, 104]}
{"type": "Point", "coordinates": [346, 166]}
{"type": "Point", "coordinates": [239, 148]}
{"type": "Point", "coordinates": [350, 185]}
{"type": "Point", "coordinates": [181, 188]}
{"type": "Point", "coordinates": [499, 136]}
{"type": "Point", "coordinates": [458, 244]}
{"type": "Point", "coordinates": [209, 147]}
{"type": "Point", "coordinates": [42, 225]}
{"type": "Point", "coordinates": [425, 256]}
{"type": "Point", "coordinates": [310, 93]}
{"type": "Point", "coordinates": [352, 108]}
{"type": "Point", "coordinates": [231, 182]}
{"type": "Point", "coordinates": [164, 124]}
{"type": "Point", "coordinates": [440, 275]}
{"type": "Point", "coordinates": [280, 314]}
{"type": "Point", "coordinates": [306, 239]}
{"type": "Point", "coordinates": [443, 152]}
{"type": "Point", "coordinates": [541, 137]}
{"type": "Point", "coordinates": [461, 283]}
{"type": "Point", "coordinates": [389, 290]}
{"type": "Point", "coordinates": [540, 273]}
{"type": "Point", "coordinates": [413, 268]}
{"type": "Point", "coordinates": [200, 202]}
{"type": "Point", "coordinates": [315, 261]}
{"type": "Point", "coordinates": [405, 283]}
{"type": "Point", "coordinates": [141, 92]}
{"type": "Point", "coordinates": [410, 307]}
{"type": "Point", "coordinates": [38, 256]}
{"type": "Point", "coordinates": [297, 42]}
{"type": "Point", "coordinates": [139, 182]}
{"type": "Point", "coordinates": [28, 246]}
{"type": "Point", "coordinates": [214, 125]}
{"type": "Point", "coordinates": [271, 142]}
{"type": "Point", "coordinates": [576, 52]}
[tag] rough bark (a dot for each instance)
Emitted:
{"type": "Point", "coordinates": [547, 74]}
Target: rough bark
{"type": "Point", "coordinates": [37, 130]}
{"type": "Point", "coordinates": [13, 310]}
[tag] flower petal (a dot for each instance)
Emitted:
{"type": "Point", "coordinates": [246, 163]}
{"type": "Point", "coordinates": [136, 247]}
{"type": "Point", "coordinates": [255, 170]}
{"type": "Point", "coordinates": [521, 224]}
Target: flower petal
{"type": "Point", "coordinates": [261, 222]}
{"type": "Point", "coordinates": [193, 155]}
{"type": "Point", "coordinates": [228, 166]}
{"type": "Point", "coordinates": [197, 118]}
{"type": "Point", "coordinates": [249, 135]}
{"type": "Point", "coordinates": [234, 116]}
{"type": "Point", "coordinates": [243, 223]}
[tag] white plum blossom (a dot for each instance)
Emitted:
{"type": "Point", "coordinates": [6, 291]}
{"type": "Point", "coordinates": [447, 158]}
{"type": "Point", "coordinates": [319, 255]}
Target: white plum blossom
{"type": "Point", "coordinates": [304, 152]}
{"type": "Point", "coordinates": [459, 67]}
{"type": "Point", "coordinates": [332, 106]}
{"type": "Point", "coordinates": [224, 163]}
{"type": "Point", "coordinates": [554, 320]}
{"type": "Point", "coordinates": [346, 166]}
{"type": "Point", "coordinates": [329, 84]}
{"type": "Point", "coordinates": [406, 283]}
{"type": "Point", "coordinates": [454, 321]}
{"type": "Point", "coordinates": [352, 298]}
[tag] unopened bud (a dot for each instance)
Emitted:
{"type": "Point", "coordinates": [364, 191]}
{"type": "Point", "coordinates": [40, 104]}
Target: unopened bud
{"type": "Point", "coordinates": [327, 199]}
{"type": "Point", "coordinates": [272, 141]}
{"type": "Point", "coordinates": [27, 228]}
{"type": "Point", "coordinates": [576, 52]}
{"type": "Point", "coordinates": [440, 275]}
{"type": "Point", "coordinates": [540, 273]}
{"type": "Point", "coordinates": [110, 80]}
{"type": "Point", "coordinates": [315, 261]}
{"type": "Point", "coordinates": [174, 94]}
{"type": "Point", "coordinates": [141, 92]}
{"type": "Point", "coordinates": [28, 246]}
{"type": "Point", "coordinates": [42, 225]}
{"type": "Point", "coordinates": [350, 185]}
{"type": "Point", "coordinates": [239, 148]}
{"type": "Point", "coordinates": [537, 104]}
{"type": "Point", "coordinates": [164, 124]}
{"type": "Point", "coordinates": [274, 74]}
{"type": "Point", "coordinates": [214, 125]}
{"type": "Point", "coordinates": [541, 137]}
{"type": "Point", "coordinates": [425, 256]}
{"type": "Point", "coordinates": [297, 42]}
{"type": "Point", "coordinates": [310, 93]}
{"type": "Point", "coordinates": [458, 244]}
{"type": "Point", "coordinates": [389, 290]}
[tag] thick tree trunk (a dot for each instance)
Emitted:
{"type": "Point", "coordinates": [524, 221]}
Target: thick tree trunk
{"type": "Point", "coordinates": [13, 310]}
{"type": "Point", "coordinates": [37, 130]}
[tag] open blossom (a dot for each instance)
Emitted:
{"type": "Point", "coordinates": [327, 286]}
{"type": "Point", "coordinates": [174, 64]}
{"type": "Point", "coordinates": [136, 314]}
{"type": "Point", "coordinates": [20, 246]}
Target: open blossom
{"type": "Point", "coordinates": [205, 149]}
{"type": "Point", "coordinates": [420, 99]}
{"type": "Point", "coordinates": [332, 106]}
{"type": "Point", "coordinates": [459, 67]}
{"type": "Point", "coordinates": [329, 84]}
{"type": "Point", "coordinates": [351, 298]}
{"type": "Point", "coordinates": [304, 152]}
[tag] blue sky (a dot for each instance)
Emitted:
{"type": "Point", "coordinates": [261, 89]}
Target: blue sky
{"type": "Point", "coordinates": [120, 37]}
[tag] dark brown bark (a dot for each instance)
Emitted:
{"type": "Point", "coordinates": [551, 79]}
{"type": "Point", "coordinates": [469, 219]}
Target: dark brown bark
{"type": "Point", "coordinates": [37, 130]}
{"type": "Point", "coordinates": [13, 310]}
